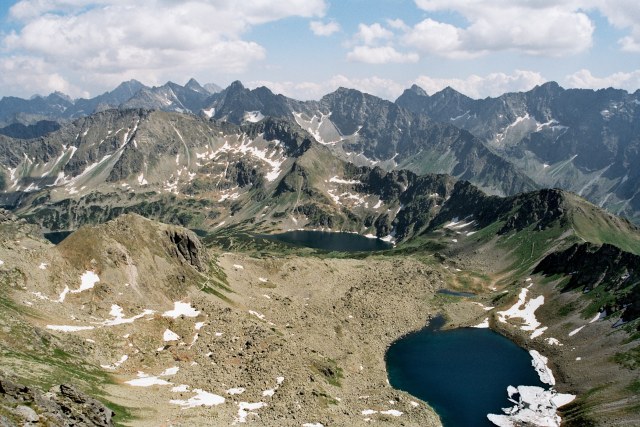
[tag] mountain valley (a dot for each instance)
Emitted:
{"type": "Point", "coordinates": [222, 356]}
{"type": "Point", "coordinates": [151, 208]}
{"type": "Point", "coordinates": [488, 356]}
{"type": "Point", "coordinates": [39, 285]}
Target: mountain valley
{"type": "Point", "coordinates": [168, 305]}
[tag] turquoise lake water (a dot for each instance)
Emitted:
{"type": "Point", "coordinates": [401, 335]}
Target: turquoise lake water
{"type": "Point", "coordinates": [462, 373]}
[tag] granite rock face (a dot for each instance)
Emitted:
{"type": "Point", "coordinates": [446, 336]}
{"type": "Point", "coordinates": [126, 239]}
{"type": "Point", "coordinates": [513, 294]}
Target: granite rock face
{"type": "Point", "coordinates": [63, 406]}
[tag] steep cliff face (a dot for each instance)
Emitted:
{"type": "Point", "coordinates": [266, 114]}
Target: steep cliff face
{"type": "Point", "coordinates": [605, 270]}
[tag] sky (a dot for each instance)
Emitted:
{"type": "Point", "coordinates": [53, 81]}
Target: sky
{"type": "Point", "coordinates": [308, 48]}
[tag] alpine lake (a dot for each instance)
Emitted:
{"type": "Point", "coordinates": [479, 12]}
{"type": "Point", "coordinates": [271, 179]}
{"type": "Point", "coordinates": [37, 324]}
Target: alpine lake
{"type": "Point", "coordinates": [462, 373]}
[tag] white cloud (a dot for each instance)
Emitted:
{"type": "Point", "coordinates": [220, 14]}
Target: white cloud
{"type": "Point", "coordinates": [380, 55]}
{"type": "Point", "coordinates": [434, 37]}
{"type": "Point", "coordinates": [371, 34]}
{"type": "Point", "coordinates": [548, 28]}
{"type": "Point", "coordinates": [99, 43]}
{"type": "Point", "coordinates": [584, 79]}
{"type": "Point", "coordinates": [378, 86]}
{"type": "Point", "coordinates": [623, 14]}
{"type": "Point", "coordinates": [32, 75]}
{"type": "Point", "coordinates": [493, 84]}
{"type": "Point", "coordinates": [321, 29]}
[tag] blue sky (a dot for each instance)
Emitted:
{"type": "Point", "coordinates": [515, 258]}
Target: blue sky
{"type": "Point", "coordinates": [307, 48]}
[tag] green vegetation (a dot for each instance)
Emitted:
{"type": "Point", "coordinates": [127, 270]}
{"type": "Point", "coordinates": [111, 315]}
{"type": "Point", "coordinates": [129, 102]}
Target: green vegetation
{"type": "Point", "coordinates": [596, 226]}
{"type": "Point", "coordinates": [634, 387]}
{"type": "Point", "coordinates": [330, 370]}
{"type": "Point", "coordinates": [629, 359]}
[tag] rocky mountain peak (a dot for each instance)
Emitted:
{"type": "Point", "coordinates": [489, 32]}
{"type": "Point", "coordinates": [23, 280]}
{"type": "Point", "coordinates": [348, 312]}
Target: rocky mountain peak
{"type": "Point", "coordinates": [417, 90]}
{"type": "Point", "coordinates": [195, 86]}
{"type": "Point", "coordinates": [235, 86]}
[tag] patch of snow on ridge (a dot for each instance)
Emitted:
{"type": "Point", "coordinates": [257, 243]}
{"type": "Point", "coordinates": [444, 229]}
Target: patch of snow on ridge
{"type": "Point", "coordinates": [202, 398]}
{"type": "Point", "coordinates": [119, 319]}
{"type": "Point", "coordinates": [116, 364]}
{"type": "Point", "coordinates": [575, 331]}
{"type": "Point", "coordinates": [253, 116]}
{"type": "Point", "coordinates": [67, 328]}
{"type": "Point", "coordinates": [181, 309]}
{"type": "Point", "coordinates": [87, 281]}
{"type": "Point", "coordinates": [145, 380]}
{"type": "Point", "coordinates": [343, 181]}
{"type": "Point", "coordinates": [245, 409]}
{"type": "Point", "coordinates": [598, 316]}
{"type": "Point", "coordinates": [169, 335]}
{"type": "Point", "coordinates": [525, 311]}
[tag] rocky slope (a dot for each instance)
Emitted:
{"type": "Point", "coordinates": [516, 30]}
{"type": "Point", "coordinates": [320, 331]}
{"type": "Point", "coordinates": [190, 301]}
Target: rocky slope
{"type": "Point", "coordinates": [161, 329]}
{"type": "Point", "coordinates": [584, 141]}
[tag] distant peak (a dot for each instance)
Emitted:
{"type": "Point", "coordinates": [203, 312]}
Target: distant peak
{"type": "Point", "coordinates": [237, 85]}
{"type": "Point", "coordinates": [449, 92]}
{"type": "Point", "coordinates": [58, 94]}
{"type": "Point", "coordinates": [417, 90]}
{"type": "Point", "coordinates": [549, 86]}
{"type": "Point", "coordinates": [195, 86]}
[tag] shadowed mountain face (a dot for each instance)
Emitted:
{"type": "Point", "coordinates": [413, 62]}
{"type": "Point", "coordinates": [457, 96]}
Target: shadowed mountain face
{"type": "Point", "coordinates": [584, 141]}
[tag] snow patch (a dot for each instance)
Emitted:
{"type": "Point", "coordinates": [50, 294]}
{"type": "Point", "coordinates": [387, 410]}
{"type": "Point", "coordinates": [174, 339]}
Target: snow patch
{"type": "Point", "coordinates": [235, 391]}
{"type": "Point", "coordinates": [119, 319]}
{"type": "Point", "coordinates": [344, 181]}
{"type": "Point", "coordinates": [67, 328]}
{"type": "Point", "coordinates": [575, 331]}
{"type": "Point", "coordinates": [245, 409]}
{"type": "Point", "coordinates": [484, 324]}
{"type": "Point", "coordinates": [525, 311]}
{"type": "Point", "coordinates": [535, 406]}
{"type": "Point", "coordinates": [202, 398]}
{"type": "Point", "coordinates": [145, 380]}
{"type": "Point", "coordinates": [598, 316]}
{"type": "Point", "coordinates": [116, 364]}
{"type": "Point", "coordinates": [87, 281]}
{"type": "Point", "coordinates": [392, 412]}
{"type": "Point", "coordinates": [253, 116]}
{"type": "Point", "coordinates": [169, 335]}
{"type": "Point", "coordinates": [539, 363]}
{"type": "Point", "coordinates": [181, 309]}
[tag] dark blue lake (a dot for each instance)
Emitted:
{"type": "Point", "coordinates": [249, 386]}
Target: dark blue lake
{"type": "Point", "coordinates": [462, 373]}
{"type": "Point", "coordinates": [56, 237]}
{"type": "Point", "coordinates": [330, 241]}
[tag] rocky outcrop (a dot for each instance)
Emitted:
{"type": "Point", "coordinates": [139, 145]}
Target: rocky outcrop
{"type": "Point", "coordinates": [186, 246]}
{"type": "Point", "coordinates": [606, 268]}
{"type": "Point", "coordinates": [63, 406]}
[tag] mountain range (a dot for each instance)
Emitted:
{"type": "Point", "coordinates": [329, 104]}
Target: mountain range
{"type": "Point", "coordinates": [583, 141]}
